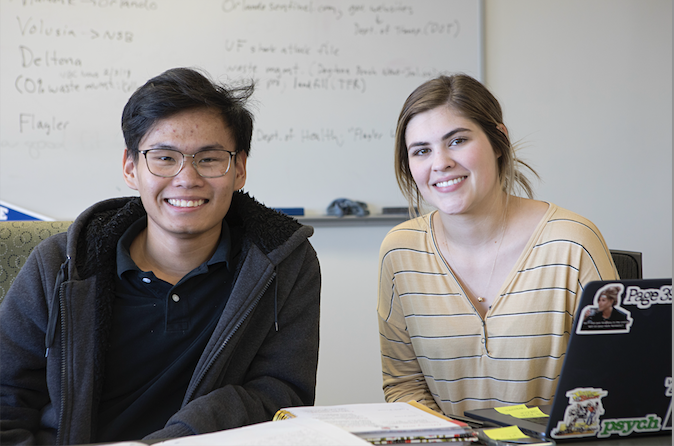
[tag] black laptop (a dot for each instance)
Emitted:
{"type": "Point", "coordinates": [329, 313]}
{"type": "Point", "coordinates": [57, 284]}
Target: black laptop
{"type": "Point", "coordinates": [616, 380]}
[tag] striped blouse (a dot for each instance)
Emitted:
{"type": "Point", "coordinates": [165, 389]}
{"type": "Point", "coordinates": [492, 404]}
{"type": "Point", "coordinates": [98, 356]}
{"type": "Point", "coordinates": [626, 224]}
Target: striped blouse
{"type": "Point", "coordinates": [435, 347]}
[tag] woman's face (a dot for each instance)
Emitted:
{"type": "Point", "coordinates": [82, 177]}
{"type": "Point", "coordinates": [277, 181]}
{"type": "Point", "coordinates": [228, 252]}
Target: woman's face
{"type": "Point", "coordinates": [604, 303]}
{"type": "Point", "coordinates": [452, 162]}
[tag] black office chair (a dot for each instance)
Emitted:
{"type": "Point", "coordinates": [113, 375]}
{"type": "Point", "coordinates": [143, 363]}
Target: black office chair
{"type": "Point", "coordinates": [628, 264]}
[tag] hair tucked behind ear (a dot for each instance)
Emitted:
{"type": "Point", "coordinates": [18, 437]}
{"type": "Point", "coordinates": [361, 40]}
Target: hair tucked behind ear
{"type": "Point", "coordinates": [470, 99]}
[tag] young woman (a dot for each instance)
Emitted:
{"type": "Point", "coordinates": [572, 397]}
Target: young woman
{"type": "Point", "coordinates": [477, 298]}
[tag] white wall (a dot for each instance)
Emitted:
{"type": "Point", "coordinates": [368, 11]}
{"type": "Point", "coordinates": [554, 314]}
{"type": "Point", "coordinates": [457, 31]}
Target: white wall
{"type": "Point", "coordinates": [349, 367]}
{"type": "Point", "coordinates": [587, 85]}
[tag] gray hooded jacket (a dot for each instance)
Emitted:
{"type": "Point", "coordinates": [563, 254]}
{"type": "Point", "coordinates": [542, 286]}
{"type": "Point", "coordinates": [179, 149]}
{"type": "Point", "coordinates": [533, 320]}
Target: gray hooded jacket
{"type": "Point", "coordinates": [261, 357]}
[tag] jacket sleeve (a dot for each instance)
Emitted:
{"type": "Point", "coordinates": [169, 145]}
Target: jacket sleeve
{"type": "Point", "coordinates": [403, 379]}
{"type": "Point", "coordinates": [23, 367]}
{"type": "Point", "coordinates": [281, 372]}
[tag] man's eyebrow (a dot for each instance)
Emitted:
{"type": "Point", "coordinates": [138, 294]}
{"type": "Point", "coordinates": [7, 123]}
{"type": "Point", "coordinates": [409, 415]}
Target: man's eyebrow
{"type": "Point", "coordinates": [444, 137]}
{"type": "Point", "coordinates": [163, 145]}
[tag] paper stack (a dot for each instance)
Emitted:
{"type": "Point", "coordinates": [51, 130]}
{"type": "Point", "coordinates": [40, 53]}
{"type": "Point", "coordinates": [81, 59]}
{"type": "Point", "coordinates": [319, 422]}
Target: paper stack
{"type": "Point", "coordinates": [386, 423]}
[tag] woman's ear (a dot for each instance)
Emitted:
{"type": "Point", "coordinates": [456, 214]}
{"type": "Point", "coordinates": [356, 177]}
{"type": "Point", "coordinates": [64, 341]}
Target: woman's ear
{"type": "Point", "coordinates": [503, 128]}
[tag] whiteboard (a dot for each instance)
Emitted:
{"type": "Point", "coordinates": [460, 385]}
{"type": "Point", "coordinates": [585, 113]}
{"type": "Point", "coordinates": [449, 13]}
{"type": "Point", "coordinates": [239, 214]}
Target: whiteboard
{"type": "Point", "coordinates": [331, 77]}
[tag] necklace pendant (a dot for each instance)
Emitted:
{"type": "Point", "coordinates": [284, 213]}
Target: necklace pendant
{"type": "Point", "coordinates": [480, 299]}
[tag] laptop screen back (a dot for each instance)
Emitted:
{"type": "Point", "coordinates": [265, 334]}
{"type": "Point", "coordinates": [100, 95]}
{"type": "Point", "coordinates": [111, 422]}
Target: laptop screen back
{"type": "Point", "coordinates": [616, 380]}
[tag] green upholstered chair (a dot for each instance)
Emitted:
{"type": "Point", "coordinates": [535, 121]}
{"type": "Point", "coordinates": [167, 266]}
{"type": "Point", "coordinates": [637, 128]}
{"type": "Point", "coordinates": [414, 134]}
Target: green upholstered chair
{"type": "Point", "coordinates": [17, 240]}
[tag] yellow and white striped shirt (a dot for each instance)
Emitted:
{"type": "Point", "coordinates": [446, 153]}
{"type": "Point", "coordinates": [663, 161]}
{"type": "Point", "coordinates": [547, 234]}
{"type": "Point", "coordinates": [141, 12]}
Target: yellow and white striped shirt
{"type": "Point", "coordinates": [435, 347]}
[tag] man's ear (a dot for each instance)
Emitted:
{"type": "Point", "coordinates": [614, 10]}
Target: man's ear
{"type": "Point", "coordinates": [240, 169]}
{"type": "Point", "coordinates": [129, 170]}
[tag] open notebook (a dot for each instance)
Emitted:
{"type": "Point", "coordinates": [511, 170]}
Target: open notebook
{"type": "Point", "coordinates": [616, 380]}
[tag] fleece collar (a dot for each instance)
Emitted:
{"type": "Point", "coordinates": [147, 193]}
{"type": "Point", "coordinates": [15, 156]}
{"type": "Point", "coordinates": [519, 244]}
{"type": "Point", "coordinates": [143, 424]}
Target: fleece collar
{"type": "Point", "coordinates": [103, 224]}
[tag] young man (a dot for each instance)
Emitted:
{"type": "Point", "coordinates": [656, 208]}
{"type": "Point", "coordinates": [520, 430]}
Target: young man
{"type": "Point", "coordinates": [190, 309]}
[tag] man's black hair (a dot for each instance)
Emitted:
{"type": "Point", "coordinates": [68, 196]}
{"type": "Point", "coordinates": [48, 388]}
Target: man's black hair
{"type": "Point", "coordinates": [180, 89]}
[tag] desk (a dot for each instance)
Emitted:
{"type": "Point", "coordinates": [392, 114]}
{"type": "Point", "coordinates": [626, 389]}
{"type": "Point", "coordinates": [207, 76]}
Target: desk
{"type": "Point", "coordinates": [655, 440]}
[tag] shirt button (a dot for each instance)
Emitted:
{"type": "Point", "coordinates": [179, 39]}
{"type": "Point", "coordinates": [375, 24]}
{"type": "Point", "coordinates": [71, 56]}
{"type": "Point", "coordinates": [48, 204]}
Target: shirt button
{"type": "Point", "coordinates": [146, 280]}
{"type": "Point", "coordinates": [484, 340]}
{"type": "Point", "coordinates": [175, 298]}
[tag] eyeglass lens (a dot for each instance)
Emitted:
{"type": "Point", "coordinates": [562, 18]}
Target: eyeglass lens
{"type": "Point", "coordinates": [168, 162]}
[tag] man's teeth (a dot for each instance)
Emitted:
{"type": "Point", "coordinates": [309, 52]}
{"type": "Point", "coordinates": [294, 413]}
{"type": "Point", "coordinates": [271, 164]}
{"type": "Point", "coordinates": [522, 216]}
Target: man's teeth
{"type": "Point", "coordinates": [185, 203]}
{"type": "Point", "coordinates": [450, 182]}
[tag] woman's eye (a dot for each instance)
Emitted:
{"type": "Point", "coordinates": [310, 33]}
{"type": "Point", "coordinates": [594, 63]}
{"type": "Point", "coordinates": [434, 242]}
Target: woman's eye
{"type": "Point", "coordinates": [457, 141]}
{"type": "Point", "coordinates": [421, 151]}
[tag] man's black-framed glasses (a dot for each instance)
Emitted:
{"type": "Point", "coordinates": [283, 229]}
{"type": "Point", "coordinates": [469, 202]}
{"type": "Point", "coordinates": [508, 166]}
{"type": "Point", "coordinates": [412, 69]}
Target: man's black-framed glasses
{"type": "Point", "coordinates": [209, 163]}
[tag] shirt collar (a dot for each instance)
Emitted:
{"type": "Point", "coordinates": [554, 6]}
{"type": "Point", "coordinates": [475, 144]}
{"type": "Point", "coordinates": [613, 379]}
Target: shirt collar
{"type": "Point", "coordinates": [222, 253]}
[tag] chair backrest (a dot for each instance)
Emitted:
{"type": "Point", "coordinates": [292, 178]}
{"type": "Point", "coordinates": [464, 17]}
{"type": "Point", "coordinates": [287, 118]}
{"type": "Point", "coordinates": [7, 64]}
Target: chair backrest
{"type": "Point", "coordinates": [17, 240]}
{"type": "Point", "coordinates": [628, 264]}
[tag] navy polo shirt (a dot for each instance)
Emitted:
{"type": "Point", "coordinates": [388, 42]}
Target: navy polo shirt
{"type": "Point", "coordinates": [159, 332]}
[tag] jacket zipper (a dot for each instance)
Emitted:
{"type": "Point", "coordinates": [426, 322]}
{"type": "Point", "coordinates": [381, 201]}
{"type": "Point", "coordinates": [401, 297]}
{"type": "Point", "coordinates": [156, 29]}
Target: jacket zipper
{"type": "Point", "coordinates": [63, 275]}
{"type": "Point", "coordinates": [63, 369]}
{"type": "Point", "coordinates": [231, 334]}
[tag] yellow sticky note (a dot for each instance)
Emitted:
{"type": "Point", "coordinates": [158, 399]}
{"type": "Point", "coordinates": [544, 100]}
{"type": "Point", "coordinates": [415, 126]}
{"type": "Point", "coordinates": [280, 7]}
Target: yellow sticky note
{"type": "Point", "coordinates": [507, 409]}
{"type": "Point", "coordinates": [534, 412]}
{"type": "Point", "coordinates": [505, 433]}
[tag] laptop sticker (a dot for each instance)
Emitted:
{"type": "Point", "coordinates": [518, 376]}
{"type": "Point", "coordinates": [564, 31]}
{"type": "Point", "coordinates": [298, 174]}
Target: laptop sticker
{"type": "Point", "coordinates": [667, 424]}
{"type": "Point", "coordinates": [644, 298]}
{"type": "Point", "coordinates": [582, 415]}
{"type": "Point", "coordinates": [648, 423]}
{"type": "Point", "coordinates": [627, 426]}
{"type": "Point", "coordinates": [606, 316]}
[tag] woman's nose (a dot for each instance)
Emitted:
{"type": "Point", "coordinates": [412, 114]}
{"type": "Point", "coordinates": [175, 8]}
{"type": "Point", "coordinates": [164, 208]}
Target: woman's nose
{"type": "Point", "coordinates": [442, 160]}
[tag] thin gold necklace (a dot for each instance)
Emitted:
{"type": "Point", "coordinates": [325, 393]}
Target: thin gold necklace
{"type": "Point", "coordinates": [493, 265]}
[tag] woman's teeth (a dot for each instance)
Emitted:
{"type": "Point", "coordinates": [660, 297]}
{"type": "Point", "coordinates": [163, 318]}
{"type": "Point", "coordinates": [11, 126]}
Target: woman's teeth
{"type": "Point", "coordinates": [450, 182]}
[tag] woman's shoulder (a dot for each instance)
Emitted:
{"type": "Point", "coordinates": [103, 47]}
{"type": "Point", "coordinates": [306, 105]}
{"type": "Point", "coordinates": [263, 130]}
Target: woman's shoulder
{"type": "Point", "coordinates": [561, 214]}
{"type": "Point", "coordinates": [564, 221]}
{"type": "Point", "coordinates": [418, 225]}
{"type": "Point", "coordinates": [410, 232]}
